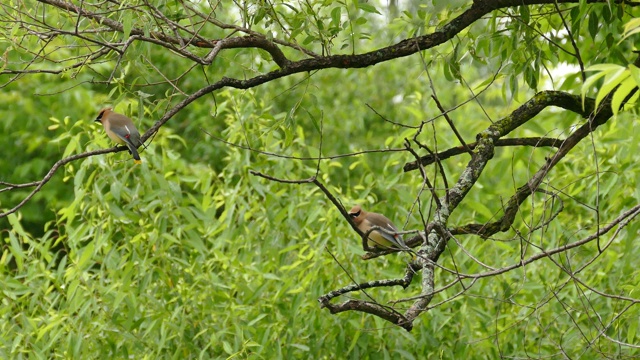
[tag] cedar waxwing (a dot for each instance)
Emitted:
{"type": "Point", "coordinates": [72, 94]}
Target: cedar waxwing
{"type": "Point", "coordinates": [121, 130]}
{"type": "Point", "coordinates": [379, 239]}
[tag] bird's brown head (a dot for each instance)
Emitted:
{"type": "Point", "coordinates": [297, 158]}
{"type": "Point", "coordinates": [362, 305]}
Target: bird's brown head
{"type": "Point", "coordinates": [357, 214]}
{"type": "Point", "coordinates": [103, 114]}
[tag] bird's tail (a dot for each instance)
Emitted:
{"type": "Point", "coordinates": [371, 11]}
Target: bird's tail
{"type": "Point", "coordinates": [134, 153]}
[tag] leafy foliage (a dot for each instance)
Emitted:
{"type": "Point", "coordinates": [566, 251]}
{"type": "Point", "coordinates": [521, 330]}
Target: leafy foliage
{"type": "Point", "coordinates": [189, 255]}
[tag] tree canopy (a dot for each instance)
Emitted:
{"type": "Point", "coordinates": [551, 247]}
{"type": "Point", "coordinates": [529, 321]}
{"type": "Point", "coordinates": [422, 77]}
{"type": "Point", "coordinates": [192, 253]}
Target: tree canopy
{"type": "Point", "coordinates": [497, 135]}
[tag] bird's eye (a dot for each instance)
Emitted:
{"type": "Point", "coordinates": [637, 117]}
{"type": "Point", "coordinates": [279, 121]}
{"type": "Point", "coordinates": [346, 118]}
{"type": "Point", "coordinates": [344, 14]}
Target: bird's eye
{"type": "Point", "coordinates": [354, 215]}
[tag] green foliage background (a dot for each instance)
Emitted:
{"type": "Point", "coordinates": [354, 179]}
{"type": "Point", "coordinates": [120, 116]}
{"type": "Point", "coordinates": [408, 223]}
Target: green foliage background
{"type": "Point", "coordinates": [190, 256]}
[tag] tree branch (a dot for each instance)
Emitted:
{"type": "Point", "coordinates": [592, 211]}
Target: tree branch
{"type": "Point", "coordinates": [443, 155]}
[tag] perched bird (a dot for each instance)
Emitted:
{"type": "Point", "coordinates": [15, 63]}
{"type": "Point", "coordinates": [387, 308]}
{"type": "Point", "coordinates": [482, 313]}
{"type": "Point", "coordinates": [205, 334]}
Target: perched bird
{"type": "Point", "coordinates": [121, 130]}
{"type": "Point", "coordinates": [379, 239]}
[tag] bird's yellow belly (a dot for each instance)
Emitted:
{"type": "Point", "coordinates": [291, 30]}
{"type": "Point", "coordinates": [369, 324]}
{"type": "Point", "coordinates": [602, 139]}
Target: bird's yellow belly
{"type": "Point", "coordinates": [377, 240]}
{"type": "Point", "coordinates": [115, 137]}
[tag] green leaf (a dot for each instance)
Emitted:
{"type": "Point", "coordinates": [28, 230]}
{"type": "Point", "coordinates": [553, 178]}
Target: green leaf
{"type": "Point", "coordinates": [226, 346]}
{"type": "Point", "coordinates": [115, 190]}
{"type": "Point", "coordinates": [602, 70]}
{"type": "Point", "coordinates": [72, 146]}
{"type": "Point", "coordinates": [87, 254]}
{"type": "Point", "coordinates": [16, 251]}
{"type": "Point", "coordinates": [127, 25]}
{"type": "Point", "coordinates": [482, 209]}
{"type": "Point", "coordinates": [631, 27]}
{"type": "Point", "coordinates": [635, 73]}
{"type": "Point", "coordinates": [594, 25]}
{"type": "Point", "coordinates": [16, 226]}
{"type": "Point", "coordinates": [631, 334]}
{"type": "Point", "coordinates": [336, 16]}
{"type": "Point", "coordinates": [368, 8]}
{"type": "Point", "coordinates": [621, 93]}
{"type": "Point", "coordinates": [524, 13]}
{"type": "Point", "coordinates": [611, 80]}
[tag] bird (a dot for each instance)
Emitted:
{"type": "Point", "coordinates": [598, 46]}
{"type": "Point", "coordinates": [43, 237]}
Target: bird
{"type": "Point", "coordinates": [121, 130]}
{"type": "Point", "coordinates": [378, 239]}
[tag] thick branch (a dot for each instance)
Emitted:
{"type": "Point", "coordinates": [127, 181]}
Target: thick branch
{"type": "Point", "coordinates": [532, 141]}
{"type": "Point", "coordinates": [404, 282]}
{"type": "Point", "coordinates": [483, 152]}
{"type": "Point", "coordinates": [373, 309]}
{"type": "Point", "coordinates": [176, 43]}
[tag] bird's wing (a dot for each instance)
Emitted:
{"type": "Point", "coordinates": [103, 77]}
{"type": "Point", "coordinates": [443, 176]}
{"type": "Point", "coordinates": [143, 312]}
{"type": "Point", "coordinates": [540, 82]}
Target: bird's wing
{"type": "Point", "coordinates": [383, 222]}
{"type": "Point", "coordinates": [388, 236]}
{"type": "Point", "coordinates": [123, 127]}
{"type": "Point", "coordinates": [393, 238]}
